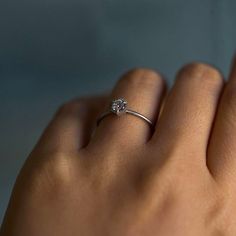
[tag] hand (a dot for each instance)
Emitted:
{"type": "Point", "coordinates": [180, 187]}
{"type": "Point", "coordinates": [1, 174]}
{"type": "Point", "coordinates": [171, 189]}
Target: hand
{"type": "Point", "coordinates": [128, 179]}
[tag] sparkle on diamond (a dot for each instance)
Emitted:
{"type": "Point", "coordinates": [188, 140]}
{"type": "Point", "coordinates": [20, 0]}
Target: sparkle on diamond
{"type": "Point", "coordinates": [119, 106]}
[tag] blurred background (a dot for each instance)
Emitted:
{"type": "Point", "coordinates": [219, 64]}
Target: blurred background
{"type": "Point", "coordinates": [54, 50]}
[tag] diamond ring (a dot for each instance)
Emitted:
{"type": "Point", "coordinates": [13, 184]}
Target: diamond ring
{"type": "Point", "coordinates": [119, 107]}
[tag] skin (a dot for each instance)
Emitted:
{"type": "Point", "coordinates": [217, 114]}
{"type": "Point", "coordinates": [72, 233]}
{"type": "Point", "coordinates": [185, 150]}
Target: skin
{"type": "Point", "coordinates": [127, 179]}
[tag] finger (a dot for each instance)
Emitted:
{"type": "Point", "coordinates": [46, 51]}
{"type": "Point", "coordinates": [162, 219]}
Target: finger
{"type": "Point", "coordinates": [72, 125]}
{"type": "Point", "coordinates": [222, 146]}
{"type": "Point", "coordinates": [143, 89]}
{"type": "Point", "coordinates": [186, 120]}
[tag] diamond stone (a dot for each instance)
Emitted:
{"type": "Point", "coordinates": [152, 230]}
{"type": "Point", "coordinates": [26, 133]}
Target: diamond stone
{"type": "Point", "coordinates": [119, 106]}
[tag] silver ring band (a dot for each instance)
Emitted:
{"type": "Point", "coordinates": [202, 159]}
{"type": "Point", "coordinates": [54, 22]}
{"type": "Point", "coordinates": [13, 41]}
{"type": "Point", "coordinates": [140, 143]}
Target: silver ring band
{"type": "Point", "coordinates": [119, 107]}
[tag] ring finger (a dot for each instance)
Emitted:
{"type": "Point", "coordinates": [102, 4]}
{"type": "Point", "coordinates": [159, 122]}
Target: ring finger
{"type": "Point", "coordinates": [143, 90]}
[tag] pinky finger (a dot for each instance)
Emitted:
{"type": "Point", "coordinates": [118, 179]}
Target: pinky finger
{"type": "Point", "coordinates": [72, 126]}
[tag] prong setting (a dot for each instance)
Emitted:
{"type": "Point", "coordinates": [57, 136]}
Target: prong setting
{"type": "Point", "coordinates": [118, 106]}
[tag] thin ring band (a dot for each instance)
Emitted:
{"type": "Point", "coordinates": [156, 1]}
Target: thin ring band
{"type": "Point", "coordinates": [119, 107]}
{"type": "Point", "coordinates": [134, 113]}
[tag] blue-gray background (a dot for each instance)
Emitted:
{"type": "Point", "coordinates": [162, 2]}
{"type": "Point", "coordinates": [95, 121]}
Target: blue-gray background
{"type": "Point", "coordinates": [54, 50]}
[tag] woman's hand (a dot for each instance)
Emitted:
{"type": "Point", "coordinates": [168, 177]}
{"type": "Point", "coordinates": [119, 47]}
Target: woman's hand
{"type": "Point", "coordinates": [128, 179]}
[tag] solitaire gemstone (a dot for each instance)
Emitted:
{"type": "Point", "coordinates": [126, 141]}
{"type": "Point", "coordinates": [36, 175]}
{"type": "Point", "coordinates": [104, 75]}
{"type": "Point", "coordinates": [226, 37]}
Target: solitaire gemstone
{"type": "Point", "coordinates": [119, 106]}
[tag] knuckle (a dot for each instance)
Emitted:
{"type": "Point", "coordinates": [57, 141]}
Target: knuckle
{"type": "Point", "coordinates": [58, 169]}
{"type": "Point", "coordinates": [201, 73]}
{"type": "Point", "coordinates": [60, 165]}
{"type": "Point", "coordinates": [142, 76]}
{"type": "Point", "coordinates": [54, 173]}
